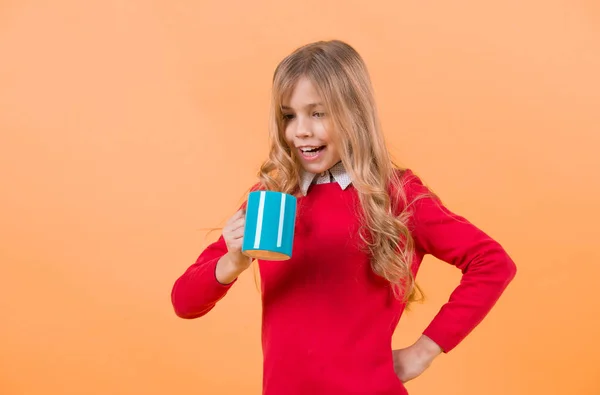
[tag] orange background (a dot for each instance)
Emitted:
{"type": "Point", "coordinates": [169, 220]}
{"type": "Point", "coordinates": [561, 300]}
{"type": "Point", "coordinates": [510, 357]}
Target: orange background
{"type": "Point", "coordinates": [127, 126]}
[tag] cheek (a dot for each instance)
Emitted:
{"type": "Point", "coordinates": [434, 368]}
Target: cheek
{"type": "Point", "coordinates": [288, 136]}
{"type": "Point", "coordinates": [332, 142]}
{"type": "Point", "coordinates": [325, 132]}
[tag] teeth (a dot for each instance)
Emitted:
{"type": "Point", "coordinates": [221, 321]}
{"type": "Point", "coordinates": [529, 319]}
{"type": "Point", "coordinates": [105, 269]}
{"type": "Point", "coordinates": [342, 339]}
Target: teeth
{"type": "Point", "coordinates": [310, 149]}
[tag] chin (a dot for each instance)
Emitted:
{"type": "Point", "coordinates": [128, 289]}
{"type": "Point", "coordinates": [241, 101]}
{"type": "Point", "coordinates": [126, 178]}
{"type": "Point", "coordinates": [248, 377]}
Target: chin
{"type": "Point", "coordinates": [317, 168]}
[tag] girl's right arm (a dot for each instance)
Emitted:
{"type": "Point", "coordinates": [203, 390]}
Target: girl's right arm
{"type": "Point", "coordinates": [207, 281]}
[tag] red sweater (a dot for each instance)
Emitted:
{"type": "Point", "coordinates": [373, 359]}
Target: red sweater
{"type": "Point", "coordinates": [327, 319]}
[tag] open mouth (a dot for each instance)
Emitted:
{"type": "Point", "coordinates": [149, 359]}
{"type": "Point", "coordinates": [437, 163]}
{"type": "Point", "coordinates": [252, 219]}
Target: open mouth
{"type": "Point", "coordinates": [311, 152]}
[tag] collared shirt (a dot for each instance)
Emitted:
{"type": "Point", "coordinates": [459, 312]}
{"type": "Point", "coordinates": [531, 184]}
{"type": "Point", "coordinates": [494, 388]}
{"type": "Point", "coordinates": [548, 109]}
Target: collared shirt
{"type": "Point", "coordinates": [337, 173]}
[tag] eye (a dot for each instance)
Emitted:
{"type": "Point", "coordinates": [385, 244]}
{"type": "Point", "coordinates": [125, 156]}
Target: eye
{"type": "Point", "coordinates": [287, 117]}
{"type": "Point", "coordinates": [318, 114]}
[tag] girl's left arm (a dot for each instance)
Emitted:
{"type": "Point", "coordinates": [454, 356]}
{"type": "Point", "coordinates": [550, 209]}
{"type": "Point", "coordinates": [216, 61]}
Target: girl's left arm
{"type": "Point", "coordinates": [487, 268]}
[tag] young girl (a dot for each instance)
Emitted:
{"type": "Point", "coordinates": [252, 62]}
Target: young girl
{"type": "Point", "coordinates": [362, 228]}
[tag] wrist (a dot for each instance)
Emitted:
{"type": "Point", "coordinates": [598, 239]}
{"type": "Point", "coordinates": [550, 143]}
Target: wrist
{"type": "Point", "coordinates": [230, 266]}
{"type": "Point", "coordinates": [238, 261]}
{"type": "Point", "coordinates": [427, 348]}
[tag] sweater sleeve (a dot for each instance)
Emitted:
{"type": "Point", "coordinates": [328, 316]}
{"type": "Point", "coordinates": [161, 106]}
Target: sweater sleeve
{"type": "Point", "coordinates": [197, 290]}
{"type": "Point", "coordinates": [486, 267]}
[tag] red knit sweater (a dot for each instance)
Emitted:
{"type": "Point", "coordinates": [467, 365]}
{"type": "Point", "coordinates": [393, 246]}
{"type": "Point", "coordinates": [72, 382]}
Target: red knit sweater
{"type": "Point", "coordinates": [327, 319]}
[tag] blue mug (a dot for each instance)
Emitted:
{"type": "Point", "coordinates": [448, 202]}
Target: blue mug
{"type": "Point", "coordinates": [270, 223]}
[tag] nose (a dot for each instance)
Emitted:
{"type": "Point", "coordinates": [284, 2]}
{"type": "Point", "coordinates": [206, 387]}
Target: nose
{"type": "Point", "coordinates": [303, 128]}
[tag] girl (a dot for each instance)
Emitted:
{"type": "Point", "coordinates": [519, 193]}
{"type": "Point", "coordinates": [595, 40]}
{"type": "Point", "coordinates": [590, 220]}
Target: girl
{"type": "Point", "coordinates": [363, 226]}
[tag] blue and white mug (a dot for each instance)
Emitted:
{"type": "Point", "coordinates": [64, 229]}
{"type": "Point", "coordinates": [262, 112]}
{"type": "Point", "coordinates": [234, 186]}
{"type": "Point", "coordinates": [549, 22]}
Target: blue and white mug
{"type": "Point", "coordinates": [270, 225]}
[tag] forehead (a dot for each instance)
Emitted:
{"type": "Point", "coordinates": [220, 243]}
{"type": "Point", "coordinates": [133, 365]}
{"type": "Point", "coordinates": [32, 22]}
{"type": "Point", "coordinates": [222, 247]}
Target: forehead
{"type": "Point", "coordinates": [302, 94]}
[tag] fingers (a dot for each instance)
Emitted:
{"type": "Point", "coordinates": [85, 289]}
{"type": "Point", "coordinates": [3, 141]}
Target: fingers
{"type": "Point", "coordinates": [238, 224]}
{"type": "Point", "coordinates": [234, 229]}
{"type": "Point", "coordinates": [236, 234]}
{"type": "Point", "coordinates": [238, 216]}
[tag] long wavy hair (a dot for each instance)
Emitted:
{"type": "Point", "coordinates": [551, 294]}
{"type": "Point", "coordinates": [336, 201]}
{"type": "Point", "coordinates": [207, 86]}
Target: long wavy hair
{"type": "Point", "coordinates": [340, 76]}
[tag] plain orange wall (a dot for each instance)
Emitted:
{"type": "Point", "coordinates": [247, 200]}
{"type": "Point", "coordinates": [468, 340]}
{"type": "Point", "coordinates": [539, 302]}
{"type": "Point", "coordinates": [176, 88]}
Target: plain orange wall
{"type": "Point", "coordinates": [128, 126]}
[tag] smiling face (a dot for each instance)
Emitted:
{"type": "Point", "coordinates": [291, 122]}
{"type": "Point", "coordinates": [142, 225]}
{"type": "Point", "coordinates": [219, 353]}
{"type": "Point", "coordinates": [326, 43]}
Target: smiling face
{"type": "Point", "coordinates": [308, 128]}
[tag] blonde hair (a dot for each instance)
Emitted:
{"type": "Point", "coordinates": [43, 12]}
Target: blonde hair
{"type": "Point", "coordinates": [341, 78]}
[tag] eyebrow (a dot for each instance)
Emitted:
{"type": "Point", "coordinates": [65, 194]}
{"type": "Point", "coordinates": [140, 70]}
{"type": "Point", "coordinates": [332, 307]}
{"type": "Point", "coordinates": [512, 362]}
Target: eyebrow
{"type": "Point", "coordinates": [310, 105]}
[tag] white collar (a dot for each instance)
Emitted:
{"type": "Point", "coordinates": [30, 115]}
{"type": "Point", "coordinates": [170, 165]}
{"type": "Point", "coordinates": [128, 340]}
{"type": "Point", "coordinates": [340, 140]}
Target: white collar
{"type": "Point", "coordinates": [338, 172]}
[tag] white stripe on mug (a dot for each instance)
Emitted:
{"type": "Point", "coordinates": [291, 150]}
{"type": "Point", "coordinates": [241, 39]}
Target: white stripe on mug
{"type": "Point", "coordinates": [259, 221]}
{"type": "Point", "coordinates": [281, 216]}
